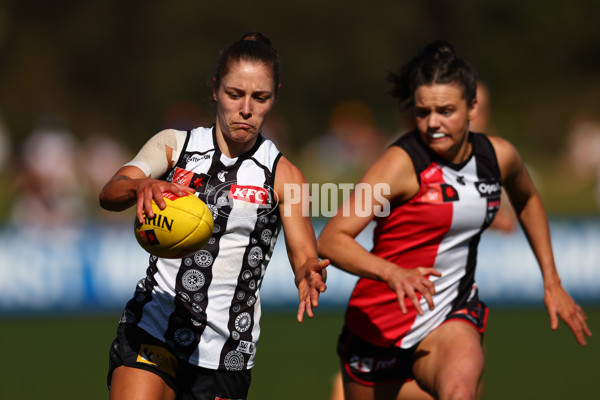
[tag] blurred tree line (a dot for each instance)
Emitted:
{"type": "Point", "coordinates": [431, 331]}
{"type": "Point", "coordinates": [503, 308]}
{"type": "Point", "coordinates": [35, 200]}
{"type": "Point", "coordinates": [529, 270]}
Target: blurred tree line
{"type": "Point", "coordinates": [119, 67]}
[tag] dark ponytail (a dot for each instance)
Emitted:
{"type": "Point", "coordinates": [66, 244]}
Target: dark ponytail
{"type": "Point", "coordinates": [435, 63]}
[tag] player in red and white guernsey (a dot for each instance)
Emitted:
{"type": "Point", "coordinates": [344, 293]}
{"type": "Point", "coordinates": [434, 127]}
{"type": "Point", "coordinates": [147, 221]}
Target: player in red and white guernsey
{"type": "Point", "coordinates": [415, 313]}
{"type": "Point", "coordinates": [190, 331]}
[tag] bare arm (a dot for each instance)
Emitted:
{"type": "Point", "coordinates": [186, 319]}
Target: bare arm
{"type": "Point", "coordinates": [309, 270]}
{"type": "Point", "coordinates": [337, 240]}
{"type": "Point", "coordinates": [532, 217]}
{"type": "Point", "coordinates": [131, 186]}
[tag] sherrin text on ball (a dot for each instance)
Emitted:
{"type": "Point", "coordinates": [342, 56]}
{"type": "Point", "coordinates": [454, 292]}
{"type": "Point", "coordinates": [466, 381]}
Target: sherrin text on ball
{"type": "Point", "coordinates": [181, 229]}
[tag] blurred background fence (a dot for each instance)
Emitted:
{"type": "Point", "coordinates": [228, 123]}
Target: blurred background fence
{"type": "Point", "coordinates": [95, 268]}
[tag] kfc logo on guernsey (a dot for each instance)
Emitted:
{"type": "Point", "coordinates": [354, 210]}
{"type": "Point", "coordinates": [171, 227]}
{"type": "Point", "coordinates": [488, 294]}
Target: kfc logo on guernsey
{"type": "Point", "coordinates": [242, 201]}
{"type": "Point", "coordinates": [251, 194]}
{"type": "Point", "coordinates": [488, 188]}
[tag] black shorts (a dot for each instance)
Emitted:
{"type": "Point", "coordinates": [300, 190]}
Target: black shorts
{"type": "Point", "coordinates": [371, 365]}
{"type": "Point", "coordinates": [136, 348]}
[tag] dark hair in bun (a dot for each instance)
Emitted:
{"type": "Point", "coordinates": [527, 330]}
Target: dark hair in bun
{"type": "Point", "coordinates": [252, 46]}
{"type": "Point", "coordinates": [435, 63]}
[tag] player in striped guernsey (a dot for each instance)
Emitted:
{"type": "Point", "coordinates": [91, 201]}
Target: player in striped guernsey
{"type": "Point", "coordinates": [415, 312]}
{"type": "Point", "coordinates": [190, 331]}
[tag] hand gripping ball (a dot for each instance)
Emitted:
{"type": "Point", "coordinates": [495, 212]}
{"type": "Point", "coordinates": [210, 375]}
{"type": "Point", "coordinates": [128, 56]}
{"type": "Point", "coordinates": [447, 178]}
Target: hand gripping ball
{"type": "Point", "coordinates": [182, 228]}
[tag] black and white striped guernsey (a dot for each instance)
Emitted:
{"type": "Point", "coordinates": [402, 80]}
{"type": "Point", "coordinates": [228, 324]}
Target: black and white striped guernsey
{"type": "Point", "coordinates": [206, 307]}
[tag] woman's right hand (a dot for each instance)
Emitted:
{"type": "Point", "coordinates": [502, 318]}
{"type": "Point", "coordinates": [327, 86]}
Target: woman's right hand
{"type": "Point", "coordinates": [130, 186]}
{"type": "Point", "coordinates": [407, 282]}
{"type": "Point", "coordinates": [149, 189]}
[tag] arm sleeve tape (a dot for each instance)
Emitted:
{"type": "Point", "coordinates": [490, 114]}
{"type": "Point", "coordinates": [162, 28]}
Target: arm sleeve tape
{"type": "Point", "coordinates": [152, 157]}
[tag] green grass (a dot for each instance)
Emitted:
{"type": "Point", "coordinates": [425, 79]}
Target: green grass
{"type": "Point", "coordinates": [65, 357]}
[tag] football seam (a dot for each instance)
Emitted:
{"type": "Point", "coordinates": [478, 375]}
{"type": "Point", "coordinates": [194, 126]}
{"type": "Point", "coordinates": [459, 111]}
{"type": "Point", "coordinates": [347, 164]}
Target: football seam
{"type": "Point", "coordinates": [200, 217]}
{"type": "Point", "coordinates": [191, 232]}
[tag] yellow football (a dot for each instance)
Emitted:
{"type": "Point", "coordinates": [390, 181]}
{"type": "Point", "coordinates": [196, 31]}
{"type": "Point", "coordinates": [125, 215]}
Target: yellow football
{"type": "Point", "coordinates": [181, 229]}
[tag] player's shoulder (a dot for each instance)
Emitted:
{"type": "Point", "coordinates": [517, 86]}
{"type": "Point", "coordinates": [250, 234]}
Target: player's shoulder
{"type": "Point", "coordinates": [407, 140]}
{"type": "Point", "coordinates": [509, 159]}
{"type": "Point", "coordinates": [402, 157]}
{"type": "Point", "coordinates": [267, 151]}
{"type": "Point", "coordinates": [394, 157]}
{"type": "Point", "coordinates": [287, 171]}
{"type": "Point", "coordinates": [168, 136]}
{"type": "Point", "coordinates": [170, 132]}
{"type": "Point", "coordinates": [503, 147]}
{"type": "Point", "coordinates": [288, 177]}
{"type": "Point", "coordinates": [394, 168]}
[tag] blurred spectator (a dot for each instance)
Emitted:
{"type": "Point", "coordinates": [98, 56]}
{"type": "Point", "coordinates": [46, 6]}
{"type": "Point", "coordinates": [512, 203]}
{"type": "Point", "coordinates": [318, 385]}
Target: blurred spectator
{"type": "Point", "coordinates": [6, 178]}
{"type": "Point", "coordinates": [5, 145]}
{"type": "Point", "coordinates": [350, 145]}
{"type": "Point", "coordinates": [277, 129]}
{"type": "Point", "coordinates": [184, 115]}
{"type": "Point", "coordinates": [481, 122]}
{"type": "Point", "coordinates": [100, 156]}
{"type": "Point", "coordinates": [49, 190]}
{"type": "Point", "coordinates": [582, 153]}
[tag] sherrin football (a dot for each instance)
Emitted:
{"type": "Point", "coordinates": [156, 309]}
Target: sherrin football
{"type": "Point", "coordinates": [182, 228]}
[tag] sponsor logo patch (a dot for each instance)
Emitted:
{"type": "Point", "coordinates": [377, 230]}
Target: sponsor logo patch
{"type": "Point", "coordinates": [493, 204]}
{"type": "Point", "coordinates": [448, 192]}
{"type": "Point", "coordinates": [243, 201]}
{"type": "Point", "coordinates": [439, 193]}
{"type": "Point", "coordinates": [488, 188]}
{"type": "Point", "coordinates": [246, 347]}
{"type": "Point", "coordinates": [368, 364]}
{"type": "Point", "coordinates": [159, 357]}
{"type": "Point", "coordinates": [197, 158]}
{"type": "Point", "coordinates": [251, 194]}
{"type": "Point", "coordinates": [364, 365]}
{"type": "Point", "coordinates": [191, 179]}
{"type": "Point", "coordinates": [429, 172]}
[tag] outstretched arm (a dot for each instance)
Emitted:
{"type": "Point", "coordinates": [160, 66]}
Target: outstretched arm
{"type": "Point", "coordinates": [309, 271]}
{"type": "Point", "coordinates": [532, 216]}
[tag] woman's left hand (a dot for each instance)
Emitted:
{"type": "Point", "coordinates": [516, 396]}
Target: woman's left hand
{"type": "Point", "coordinates": [560, 304]}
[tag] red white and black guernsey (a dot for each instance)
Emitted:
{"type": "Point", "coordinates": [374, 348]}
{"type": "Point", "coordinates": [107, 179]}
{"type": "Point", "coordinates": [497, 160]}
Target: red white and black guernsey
{"type": "Point", "coordinates": [439, 227]}
{"type": "Point", "coordinates": [206, 307]}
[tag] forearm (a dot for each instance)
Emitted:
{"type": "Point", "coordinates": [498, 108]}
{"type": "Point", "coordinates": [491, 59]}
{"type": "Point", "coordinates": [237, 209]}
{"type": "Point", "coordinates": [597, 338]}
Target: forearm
{"type": "Point", "coordinates": [302, 252]}
{"type": "Point", "coordinates": [347, 254]}
{"type": "Point", "coordinates": [534, 221]}
{"type": "Point", "coordinates": [119, 193]}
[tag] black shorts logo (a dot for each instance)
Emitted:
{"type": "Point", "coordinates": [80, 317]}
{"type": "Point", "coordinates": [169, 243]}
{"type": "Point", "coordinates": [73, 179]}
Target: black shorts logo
{"type": "Point", "coordinates": [159, 357]}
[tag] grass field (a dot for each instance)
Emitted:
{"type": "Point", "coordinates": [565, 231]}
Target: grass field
{"type": "Point", "coordinates": [65, 357]}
